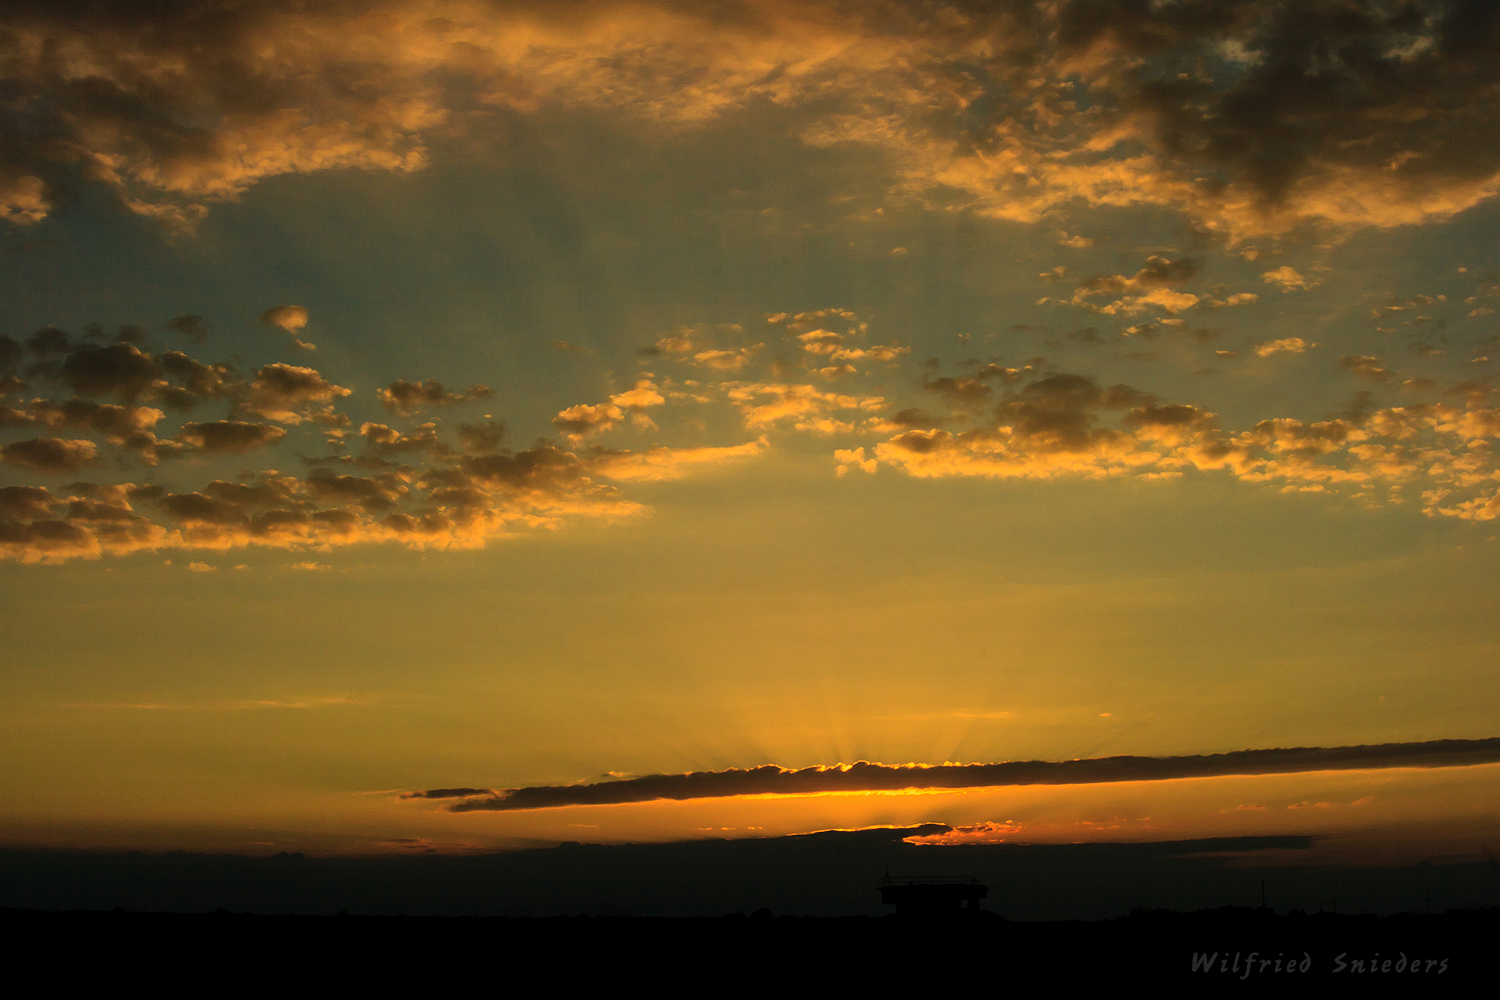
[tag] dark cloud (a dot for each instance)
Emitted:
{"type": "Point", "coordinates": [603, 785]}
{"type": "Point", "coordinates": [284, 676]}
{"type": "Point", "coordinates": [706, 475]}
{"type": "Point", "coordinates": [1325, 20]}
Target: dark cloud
{"type": "Point", "coordinates": [120, 367]}
{"type": "Point", "coordinates": [280, 389]}
{"type": "Point", "coordinates": [49, 455]}
{"type": "Point", "coordinates": [406, 397]}
{"type": "Point", "coordinates": [1366, 367]}
{"type": "Point", "coordinates": [769, 779]}
{"type": "Point", "coordinates": [191, 326]}
{"type": "Point", "coordinates": [48, 342]}
{"type": "Point", "coordinates": [11, 353]}
{"type": "Point", "coordinates": [914, 417]}
{"type": "Point", "coordinates": [544, 467]}
{"type": "Point", "coordinates": [1357, 111]}
{"type": "Point", "coordinates": [998, 373]}
{"type": "Point", "coordinates": [44, 538]}
{"type": "Point", "coordinates": [479, 438]}
{"type": "Point", "coordinates": [23, 503]}
{"type": "Point", "coordinates": [383, 440]}
{"type": "Point", "coordinates": [1161, 272]}
{"type": "Point", "coordinates": [447, 793]}
{"type": "Point", "coordinates": [961, 391]}
{"type": "Point", "coordinates": [230, 437]}
{"type": "Point", "coordinates": [1059, 411]}
{"type": "Point", "coordinates": [201, 507]}
{"type": "Point", "coordinates": [95, 510]}
{"type": "Point", "coordinates": [267, 493]}
{"type": "Point", "coordinates": [274, 522]}
{"type": "Point", "coordinates": [1169, 415]}
{"type": "Point", "coordinates": [374, 494]}
{"type": "Point", "coordinates": [199, 380]}
{"type": "Point", "coordinates": [1321, 90]}
{"type": "Point", "coordinates": [115, 423]}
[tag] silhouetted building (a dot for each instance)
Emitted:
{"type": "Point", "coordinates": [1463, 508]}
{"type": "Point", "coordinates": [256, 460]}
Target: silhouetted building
{"type": "Point", "coordinates": [932, 895]}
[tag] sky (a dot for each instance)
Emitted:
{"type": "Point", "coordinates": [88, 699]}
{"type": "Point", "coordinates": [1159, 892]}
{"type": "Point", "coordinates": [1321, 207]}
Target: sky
{"type": "Point", "coordinates": [408, 406]}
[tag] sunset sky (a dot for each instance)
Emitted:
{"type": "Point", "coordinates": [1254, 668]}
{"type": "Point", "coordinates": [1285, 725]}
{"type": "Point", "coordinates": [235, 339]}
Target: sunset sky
{"type": "Point", "coordinates": [461, 397]}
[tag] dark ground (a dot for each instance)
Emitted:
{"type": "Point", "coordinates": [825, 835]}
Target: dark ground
{"type": "Point", "coordinates": [801, 910]}
{"type": "Point", "coordinates": [822, 875]}
{"type": "Point", "coordinates": [742, 954]}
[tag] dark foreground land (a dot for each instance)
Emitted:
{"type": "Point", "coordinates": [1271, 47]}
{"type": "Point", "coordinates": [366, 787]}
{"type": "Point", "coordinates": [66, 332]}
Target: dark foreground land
{"type": "Point", "coordinates": [1232, 947]}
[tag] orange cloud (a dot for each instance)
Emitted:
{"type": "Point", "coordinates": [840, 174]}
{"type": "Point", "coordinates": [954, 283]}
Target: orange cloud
{"type": "Point", "coordinates": [242, 93]}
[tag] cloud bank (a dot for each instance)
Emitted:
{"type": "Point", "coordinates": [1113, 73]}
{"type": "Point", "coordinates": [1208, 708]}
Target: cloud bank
{"type": "Point", "coordinates": [1250, 117]}
{"type": "Point", "coordinates": [862, 776]}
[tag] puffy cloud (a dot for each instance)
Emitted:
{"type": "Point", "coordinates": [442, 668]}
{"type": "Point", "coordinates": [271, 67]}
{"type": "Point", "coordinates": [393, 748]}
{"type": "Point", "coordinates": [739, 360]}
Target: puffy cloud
{"type": "Point", "coordinates": [24, 503]}
{"type": "Point", "coordinates": [289, 320]}
{"type": "Point", "coordinates": [384, 440]}
{"type": "Point", "coordinates": [95, 370]}
{"type": "Point", "coordinates": [127, 426]}
{"type": "Point", "coordinates": [115, 423]}
{"type": "Point", "coordinates": [23, 199]}
{"type": "Point", "coordinates": [578, 422]}
{"type": "Point", "coordinates": [836, 347]}
{"type": "Point", "coordinates": [481, 437]}
{"type": "Point", "coordinates": [730, 360]}
{"type": "Point", "coordinates": [764, 404]}
{"type": "Point", "coordinates": [1286, 345]}
{"type": "Point", "coordinates": [46, 541]}
{"type": "Point", "coordinates": [1060, 426]}
{"type": "Point", "coordinates": [853, 458]}
{"type": "Point", "coordinates": [1150, 286]}
{"type": "Point", "coordinates": [50, 455]}
{"type": "Point", "coordinates": [280, 389]}
{"type": "Point", "coordinates": [1288, 280]}
{"type": "Point", "coordinates": [230, 437]}
{"type": "Point", "coordinates": [199, 382]}
{"type": "Point", "coordinates": [544, 468]}
{"type": "Point", "coordinates": [464, 506]}
{"type": "Point", "coordinates": [406, 397]}
{"type": "Point", "coordinates": [374, 493]}
{"type": "Point", "coordinates": [679, 343]}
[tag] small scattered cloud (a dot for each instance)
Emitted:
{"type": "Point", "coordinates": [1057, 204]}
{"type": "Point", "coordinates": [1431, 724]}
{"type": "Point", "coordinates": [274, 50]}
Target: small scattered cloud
{"type": "Point", "coordinates": [193, 327]}
{"type": "Point", "coordinates": [585, 419]}
{"type": "Point", "coordinates": [406, 398]}
{"type": "Point", "coordinates": [1366, 367]}
{"type": "Point", "coordinates": [1286, 345]}
{"type": "Point", "coordinates": [1288, 279]}
{"type": "Point", "coordinates": [730, 360]}
{"type": "Point", "coordinates": [290, 320]}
